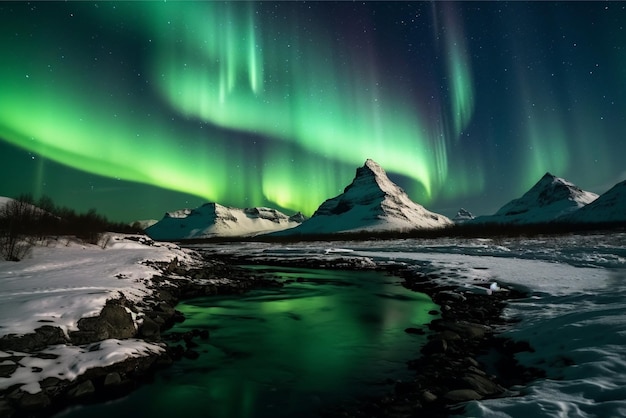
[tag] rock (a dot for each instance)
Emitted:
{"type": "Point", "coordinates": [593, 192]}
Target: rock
{"type": "Point", "coordinates": [81, 390]}
{"type": "Point", "coordinates": [471, 361]}
{"type": "Point", "coordinates": [463, 328]}
{"type": "Point", "coordinates": [6, 370]}
{"type": "Point", "coordinates": [482, 384]}
{"type": "Point", "coordinates": [165, 308]}
{"type": "Point", "coordinates": [150, 330]}
{"type": "Point", "coordinates": [178, 316]}
{"type": "Point", "coordinates": [32, 402]}
{"type": "Point", "coordinates": [113, 322]}
{"type": "Point", "coordinates": [428, 397]}
{"type": "Point", "coordinates": [52, 386]}
{"type": "Point", "coordinates": [436, 346]}
{"type": "Point", "coordinates": [449, 335]}
{"type": "Point", "coordinates": [173, 265]}
{"type": "Point", "coordinates": [40, 339]}
{"type": "Point", "coordinates": [449, 295]}
{"type": "Point", "coordinates": [112, 379]}
{"type": "Point", "coordinates": [462, 395]}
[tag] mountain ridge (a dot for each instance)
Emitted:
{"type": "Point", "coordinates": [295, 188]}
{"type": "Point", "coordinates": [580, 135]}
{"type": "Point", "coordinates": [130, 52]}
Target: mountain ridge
{"type": "Point", "coordinates": [214, 220]}
{"type": "Point", "coordinates": [550, 199]}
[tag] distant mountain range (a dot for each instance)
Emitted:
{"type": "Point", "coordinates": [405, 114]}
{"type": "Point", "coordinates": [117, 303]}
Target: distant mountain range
{"type": "Point", "coordinates": [214, 220]}
{"type": "Point", "coordinates": [373, 203]}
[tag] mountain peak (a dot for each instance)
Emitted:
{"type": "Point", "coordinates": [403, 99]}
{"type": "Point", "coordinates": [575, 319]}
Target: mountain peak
{"type": "Point", "coordinates": [371, 202]}
{"type": "Point", "coordinates": [373, 165]}
{"type": "Point", "coordinates": [372, 175]}
{"type": "Point", "coordinates": [463, 215]}
{"type": "Point", "coordinates": [609, 207]}
{"type": "Point", "coordinates": [549, 199]}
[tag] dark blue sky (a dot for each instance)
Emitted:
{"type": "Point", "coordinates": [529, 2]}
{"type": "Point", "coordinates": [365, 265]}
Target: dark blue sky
{"type": "Point", "coordinates": [143, 107]}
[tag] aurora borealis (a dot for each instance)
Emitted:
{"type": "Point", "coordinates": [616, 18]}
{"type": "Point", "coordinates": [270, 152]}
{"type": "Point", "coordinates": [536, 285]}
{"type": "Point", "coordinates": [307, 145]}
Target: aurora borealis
{"type": "Point", "coordinates": [136, 108]}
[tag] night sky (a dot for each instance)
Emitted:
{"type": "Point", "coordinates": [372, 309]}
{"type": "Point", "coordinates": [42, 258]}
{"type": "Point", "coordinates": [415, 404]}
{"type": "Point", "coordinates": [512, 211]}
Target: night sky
{"type": "Point", "coordinates": [144, 107]}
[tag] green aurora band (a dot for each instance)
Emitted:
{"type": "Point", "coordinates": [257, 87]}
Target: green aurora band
{"type": "Point", "coordinates": [236, 104]}
{"type": "Point", "coordinates": [223, 68]}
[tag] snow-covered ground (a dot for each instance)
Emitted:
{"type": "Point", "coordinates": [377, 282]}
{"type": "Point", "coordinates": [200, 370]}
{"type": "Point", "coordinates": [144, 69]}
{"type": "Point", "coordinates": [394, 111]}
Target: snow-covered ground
{"type": "Point", "coordinates": [64, 280]}
{"type": "Point", "coordinates": [575, 317]}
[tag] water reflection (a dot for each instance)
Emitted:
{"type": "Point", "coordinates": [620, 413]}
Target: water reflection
{"type": "Point", "coordinates": [329, 337]}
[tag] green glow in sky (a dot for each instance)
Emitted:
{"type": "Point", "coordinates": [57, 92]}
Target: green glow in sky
{"type": "Point", "coordinates": [307, 97]}
{"type": "Point", "coordinates": [459, 73]}
{"type": "Point", "coordinates": [277, 103]}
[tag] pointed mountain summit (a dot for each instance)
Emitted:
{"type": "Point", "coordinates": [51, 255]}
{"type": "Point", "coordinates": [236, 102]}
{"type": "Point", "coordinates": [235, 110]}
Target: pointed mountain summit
{"type": "Point", "coordinates": [609, 207]}
{"type": "Point", "coordinates": [463, 215]}
{"type": "Point", "coordinates": [549, 199]}
{"type": "Point", "coordinates": [214, 220]}
{"type": "Point", "coordinates": [371, 202]}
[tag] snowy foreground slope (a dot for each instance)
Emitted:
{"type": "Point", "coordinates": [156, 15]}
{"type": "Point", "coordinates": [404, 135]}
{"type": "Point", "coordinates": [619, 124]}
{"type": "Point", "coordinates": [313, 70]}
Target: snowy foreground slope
{"type": "Point", "coordinates": [66, 280]}
{"type": "Point", "coordinates": [371, 202]}
{"type": "Point", "coordinates": [574, 316]}
{"type": "Point", "coordinates": [215, 220]}
{"type": "Point", "coordinates": [549, 199]}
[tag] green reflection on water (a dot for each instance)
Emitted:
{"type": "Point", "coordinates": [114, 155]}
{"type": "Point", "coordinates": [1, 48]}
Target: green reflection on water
{"type": "Point", "coordinates": [288, 352]}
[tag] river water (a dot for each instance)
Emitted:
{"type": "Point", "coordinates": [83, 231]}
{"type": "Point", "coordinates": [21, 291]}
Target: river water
{"type": "Point", "coordinates": [326, 338]}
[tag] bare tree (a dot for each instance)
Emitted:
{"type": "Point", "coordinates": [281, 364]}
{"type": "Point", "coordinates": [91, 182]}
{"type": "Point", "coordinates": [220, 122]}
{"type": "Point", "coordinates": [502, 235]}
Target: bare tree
{"type": "Point", "coordinates": [17, 222]}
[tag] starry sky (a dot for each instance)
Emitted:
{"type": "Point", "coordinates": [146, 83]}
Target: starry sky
{"type": "Point", "coordinates": [137, 108]}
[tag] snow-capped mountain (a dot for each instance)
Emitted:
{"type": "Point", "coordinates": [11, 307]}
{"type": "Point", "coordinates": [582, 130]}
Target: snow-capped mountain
{"type": "Point", "coordinates": [143, 223]}
{"type": "Point", "coordinates": [609, 207]}
{"type": "Point", "coordinates": [371, 202]}
{"type": "Point", "coordinates": [463, 215]}
{"type": "Point", "coordinates": [215, 220]}
{"type": "Point", "coordinates": [4, 200]}
{"type": "Point", "coordinates": [549, 199]}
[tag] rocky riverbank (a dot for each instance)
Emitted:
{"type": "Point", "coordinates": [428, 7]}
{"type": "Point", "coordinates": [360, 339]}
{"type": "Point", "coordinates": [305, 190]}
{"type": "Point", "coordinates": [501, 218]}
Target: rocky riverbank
{"type": "Point", "coordinates": [465, 357]}
{"type": "Point", "coordinates": [117, 321]}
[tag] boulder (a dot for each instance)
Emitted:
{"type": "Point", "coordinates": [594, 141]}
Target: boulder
{"type": "Point", "coordinates": [150, 330]}
{"type": "Point", "coordinates": [482, 385]}
{"type": "Point", "coordinates": [81, 390]}
{"type": "Point", "coordinates": [428, 397]}
{"type": "Point", "coordinates": [42, 337]}
{"type": "Point", "coordinates": [114, 321]}
{"type": "Point", "coordinates": [6, 370]}
{"type": "Point", "coordinates": [32, 402]}
{"type": "Point", "coordinates": [112, 379]}
{"type": "Point", "coordinates": [462, 395]}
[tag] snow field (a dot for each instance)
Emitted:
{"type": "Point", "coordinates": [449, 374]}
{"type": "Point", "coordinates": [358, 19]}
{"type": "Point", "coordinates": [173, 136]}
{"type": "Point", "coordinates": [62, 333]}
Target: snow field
{"type": "Point", "coordinates": [66, 280]}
